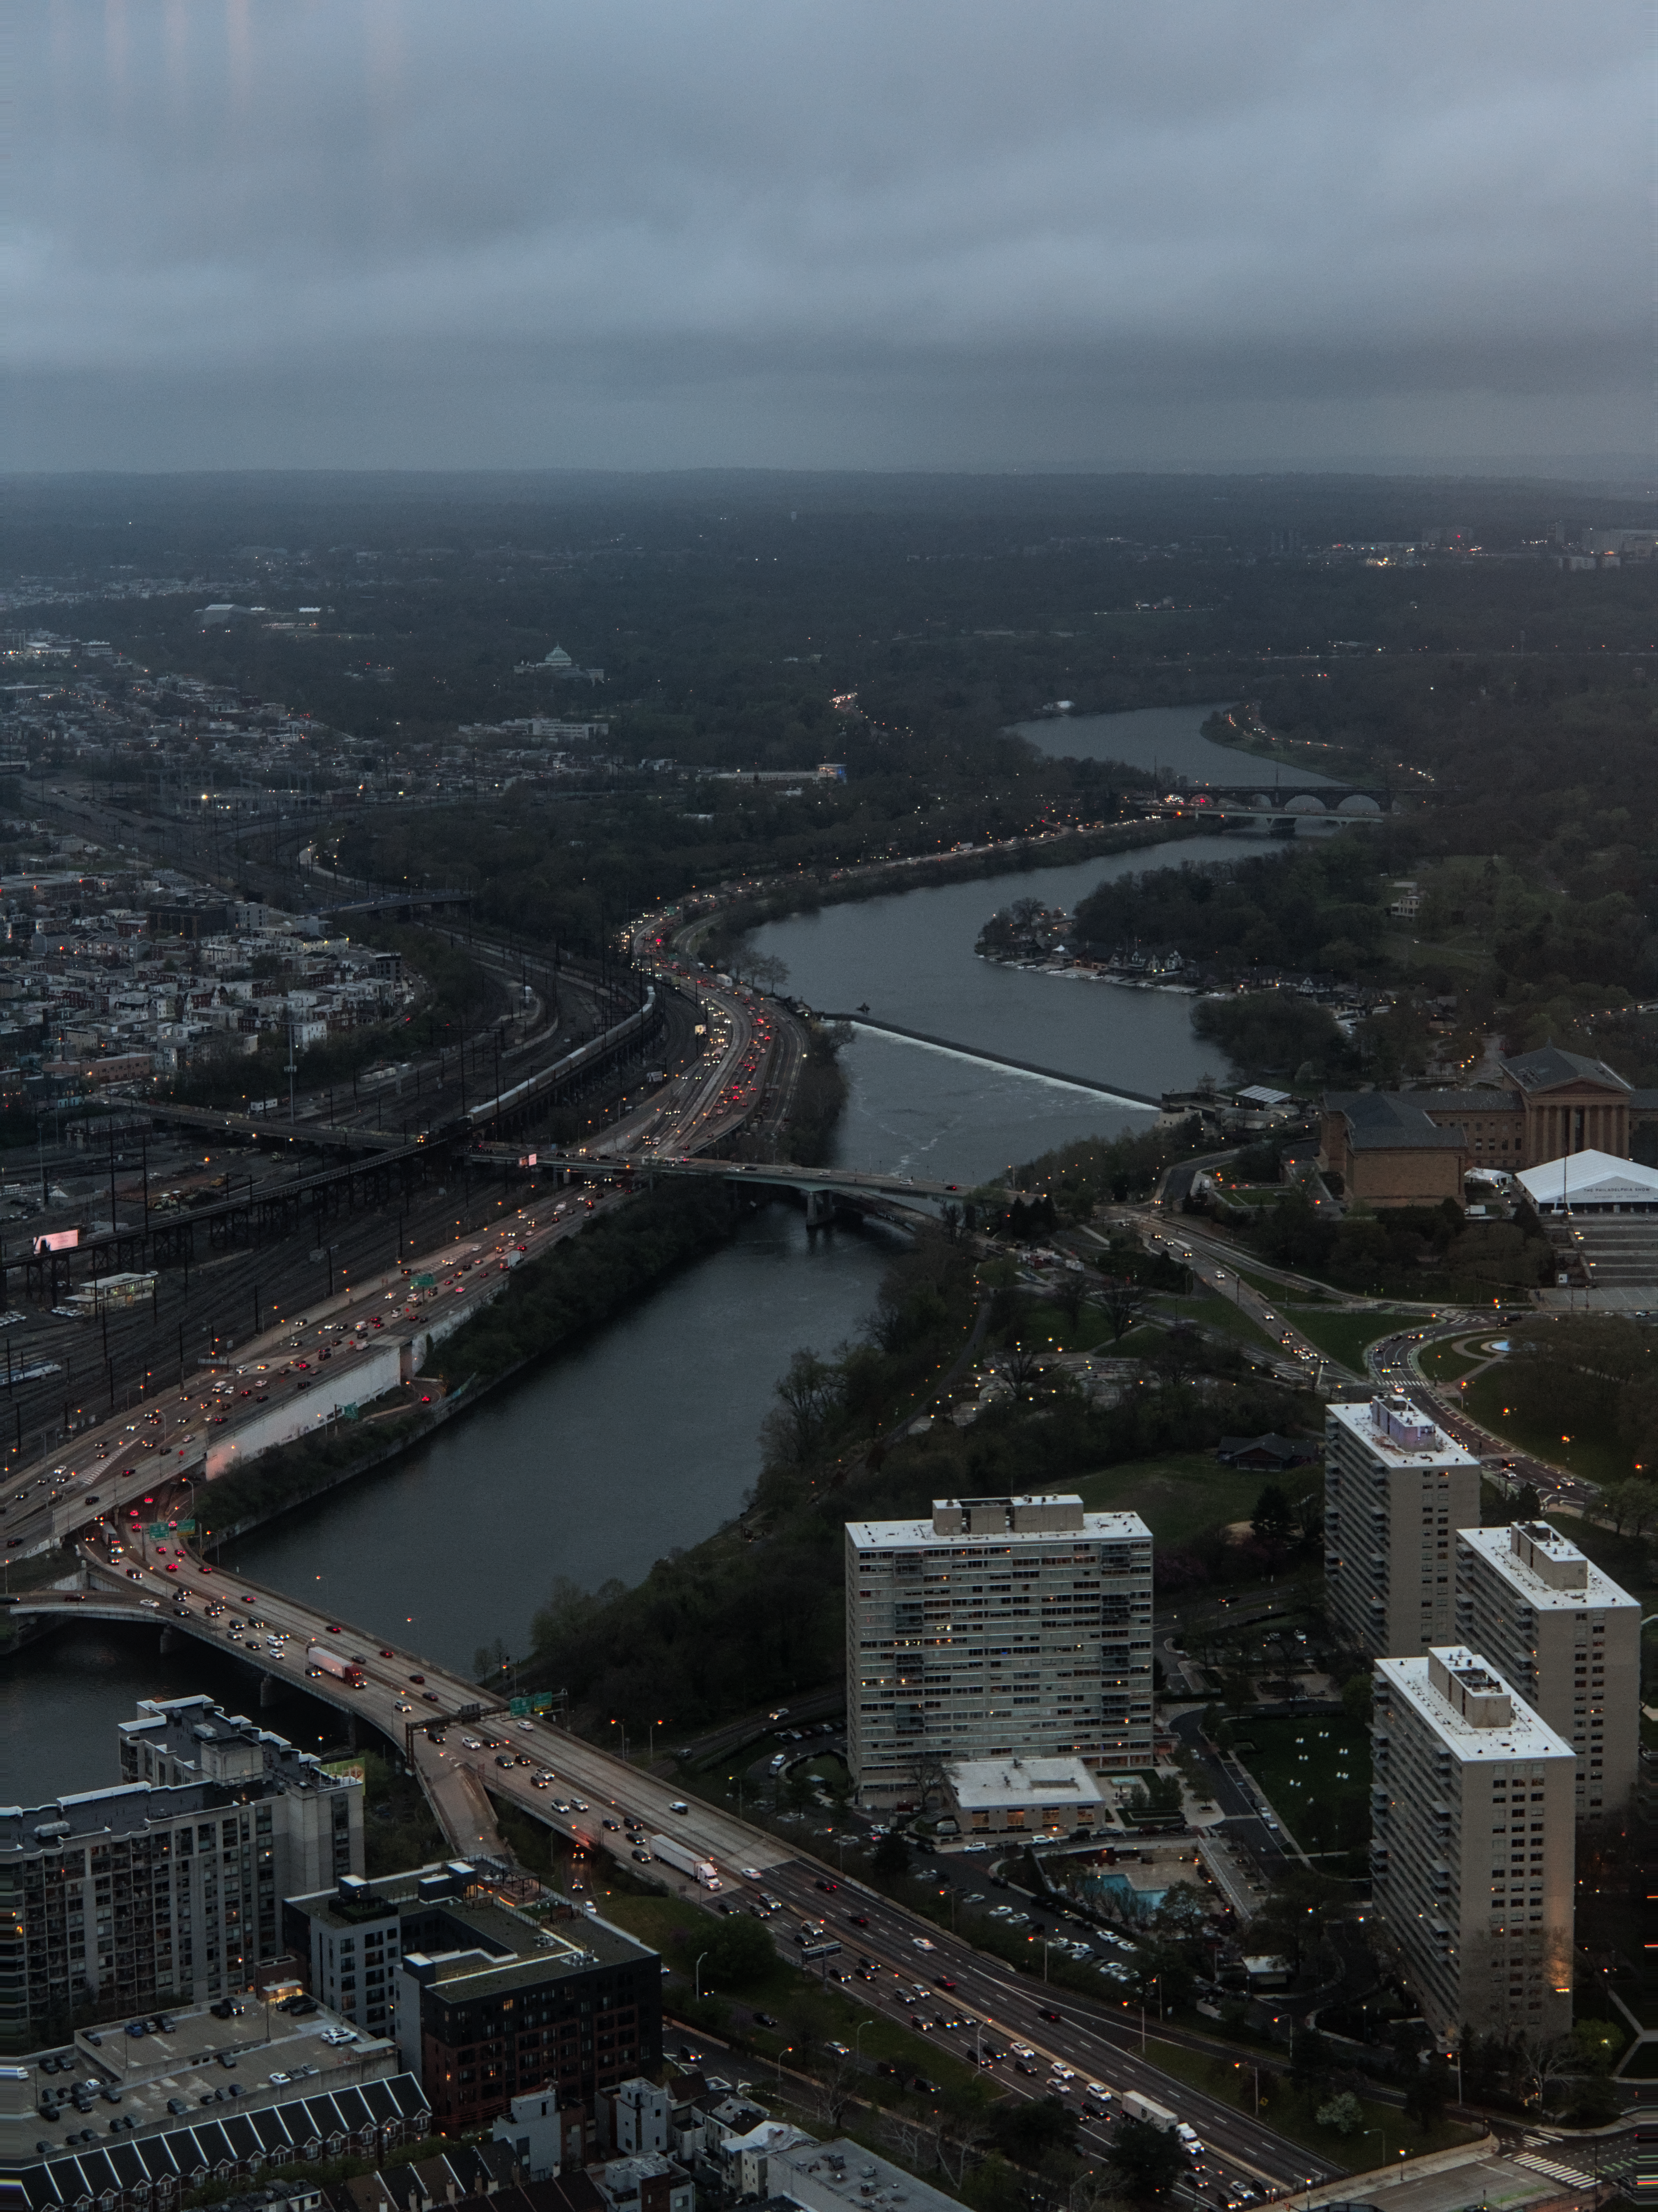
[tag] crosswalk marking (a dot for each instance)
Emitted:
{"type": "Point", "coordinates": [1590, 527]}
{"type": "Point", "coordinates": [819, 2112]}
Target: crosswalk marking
{"type": "Point", "coordinates": [1556, 2173]}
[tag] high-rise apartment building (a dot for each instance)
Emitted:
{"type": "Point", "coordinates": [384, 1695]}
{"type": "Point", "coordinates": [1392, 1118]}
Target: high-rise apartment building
{"type": "Point", "coordinates": [1001, 1626]}
{"type": "Point", "coordinates": [1396, 1490]}
{"type": "Point", "coordinates": [1568, 1638]}
{"type": "Point", "coordinates": [1472, 1846]}
{"type": "Point", "coordinates": [167, 1887]}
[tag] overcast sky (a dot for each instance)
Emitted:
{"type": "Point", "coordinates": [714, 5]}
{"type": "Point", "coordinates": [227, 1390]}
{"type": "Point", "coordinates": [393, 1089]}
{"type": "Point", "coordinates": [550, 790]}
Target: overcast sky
{"type": "Point", "coordinates": [912, 233]}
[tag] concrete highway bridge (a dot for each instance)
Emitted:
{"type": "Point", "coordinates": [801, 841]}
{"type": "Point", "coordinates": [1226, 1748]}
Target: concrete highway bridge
{"type": "Point", "coordinates": [384, 1161]}
{"type": "Point", "coordinates": [823, 1190]}
{"type": "Point", "coordinates": [396, 905]}
{"type": "Point", "coordinates": [403, 1695]}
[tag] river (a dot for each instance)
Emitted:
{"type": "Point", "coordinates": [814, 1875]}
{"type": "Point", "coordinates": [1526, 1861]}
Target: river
{"type": "Point", "coordinates": [1167, 738]}
{"type": "Point", "coordinates": [645, 1438]}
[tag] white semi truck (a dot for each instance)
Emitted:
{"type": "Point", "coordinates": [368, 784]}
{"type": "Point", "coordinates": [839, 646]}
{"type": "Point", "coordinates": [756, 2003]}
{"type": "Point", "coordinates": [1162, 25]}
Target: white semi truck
{"type": "Point", "coordinates": [1137, 2107]}
{"type": "Point", "coordinates": [319, 1660]}
{"type": "Point", "coordinates": [673, 1853]}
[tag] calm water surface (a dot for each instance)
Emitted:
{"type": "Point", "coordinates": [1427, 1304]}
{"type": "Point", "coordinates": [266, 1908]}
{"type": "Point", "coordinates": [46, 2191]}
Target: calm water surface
{"type": "Point", "coordinates": [61, 1698]}
{"type": "Point", "coordinates": [643, 1440]}
{"type": "Point", "coordinates": [646, 1438]}
{"type": "Point", "coordinates": [1154, 738]}
{"type": "Point", "coordinates": [909, 958]}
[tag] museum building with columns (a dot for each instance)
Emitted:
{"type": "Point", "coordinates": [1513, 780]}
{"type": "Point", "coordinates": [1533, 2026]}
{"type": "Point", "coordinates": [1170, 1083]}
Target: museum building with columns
{"type": "Point", "coordinates": [1414, 1147]}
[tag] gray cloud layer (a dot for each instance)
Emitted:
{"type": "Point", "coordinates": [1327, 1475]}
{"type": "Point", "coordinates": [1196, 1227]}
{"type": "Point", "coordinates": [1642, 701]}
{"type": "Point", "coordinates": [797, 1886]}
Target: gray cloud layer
{"type": "Point", "coordinates": [940, 234]}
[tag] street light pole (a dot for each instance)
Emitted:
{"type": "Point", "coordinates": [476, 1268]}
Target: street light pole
{"type": "Point", "coordinates": [696, 1979]}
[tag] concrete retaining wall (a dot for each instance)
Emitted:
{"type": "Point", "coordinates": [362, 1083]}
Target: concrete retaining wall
{"type": "Point", "coordinates": [365, 1379]}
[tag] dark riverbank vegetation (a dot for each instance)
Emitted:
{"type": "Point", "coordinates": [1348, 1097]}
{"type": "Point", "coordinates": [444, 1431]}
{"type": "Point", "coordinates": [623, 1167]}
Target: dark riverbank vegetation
{"type": "Point", "coordinates": [1418, 1252]}
{"type": "Point", "coordinates": [757, 1612]}
{"type": "Point", "coordinates": [820, 1094]}
{"type": "Point", "coordinates": [1077, 1178]}
{"type": "Point", "coordinates": [1320, 908]}
{"type": "Point", "coordinates": [1510, 895]}
{"type": "Point", "coordinates": [546, 1306]}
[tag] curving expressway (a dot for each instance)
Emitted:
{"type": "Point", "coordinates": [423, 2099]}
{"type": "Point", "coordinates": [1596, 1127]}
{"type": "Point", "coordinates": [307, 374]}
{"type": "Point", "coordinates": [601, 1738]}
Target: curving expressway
{"type": "Point", "coordinates": [457, 1744]}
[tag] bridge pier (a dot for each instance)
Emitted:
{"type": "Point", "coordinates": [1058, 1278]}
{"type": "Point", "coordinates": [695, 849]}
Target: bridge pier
{"type": "Point", "coordinates": [169, 1641]}
{"type": "Point", "coordinates": [270, 1690]}
{"type": "Point", "coordinates": [820, 1208]}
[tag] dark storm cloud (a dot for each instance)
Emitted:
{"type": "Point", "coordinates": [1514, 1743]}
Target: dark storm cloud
{"type": "Point", "coordinates": [396, 231]}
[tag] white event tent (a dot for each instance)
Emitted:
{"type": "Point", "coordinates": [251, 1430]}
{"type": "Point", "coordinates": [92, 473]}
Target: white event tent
{"type": "Point", "coordinates": [1591, 1183]}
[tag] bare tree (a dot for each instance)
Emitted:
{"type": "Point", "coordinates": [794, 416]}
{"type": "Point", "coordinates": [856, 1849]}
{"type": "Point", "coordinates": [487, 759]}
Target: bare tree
{"type": "Point", "coordinates": [838, 2093]}
{"type": "Point", "coordinates": [767, 972]}
{"type": "Point", "coordinates": [1023, 1369]}
{"type": "Point", "coordinates": [806, 1396]}
{"type": "Point", "coordinates": [1122, 1304]}
{"type": "Point", "coordinates": [930, 1778]}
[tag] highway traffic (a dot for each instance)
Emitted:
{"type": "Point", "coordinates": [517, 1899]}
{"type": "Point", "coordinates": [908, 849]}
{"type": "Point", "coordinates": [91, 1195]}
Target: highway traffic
{"type": "Point", "coordinates": [460, 1747]}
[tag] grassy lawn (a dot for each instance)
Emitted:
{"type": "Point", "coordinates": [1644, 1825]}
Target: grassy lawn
{"type": "Point", "coordinates": [1178, 1496]}
{"type": "Point", "coordinates": [1598, 1455]}
{"type": "Point", "coordinates": [1217, 1313]}
{"type": "Point", "coordinates": [1292, 2114]}
{"type": "Point", "coordinates": [1269, 1289]}
{"type": "Point", "coordinates": [1444, 1363]}
{"type": "Point", "coordinates": [1344, 1336]}
{"type": "Point", "coordinates": [1316, 1772]}
{"type": "Point", "coordinates": [1091, 1331]}
{"type": "Point", "coordinates": [663, 1923]}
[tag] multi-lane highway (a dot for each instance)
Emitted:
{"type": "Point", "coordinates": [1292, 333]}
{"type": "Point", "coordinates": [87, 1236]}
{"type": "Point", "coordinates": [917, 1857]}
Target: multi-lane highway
{"type": "Point", "coordinates": [1216, 1266]}
{"type": "Point", "coordinates": [335, 1354]}
{"type": "Point", "coordinates": [590, 1797]}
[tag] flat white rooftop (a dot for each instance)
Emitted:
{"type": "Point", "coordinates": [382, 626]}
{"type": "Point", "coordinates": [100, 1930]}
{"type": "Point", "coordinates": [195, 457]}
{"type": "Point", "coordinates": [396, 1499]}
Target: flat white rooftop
{"type": "Point", "coordinates": [1595, 1593]}
{"type": "Point", "coordinates": [988, 1785]}
{"type": "Point", "coordinates": [1441, 1452]}
{"type": "Point", "coordinates": [982, 1521]}
{"type": "Point", "coordinates": [1520, 1735]}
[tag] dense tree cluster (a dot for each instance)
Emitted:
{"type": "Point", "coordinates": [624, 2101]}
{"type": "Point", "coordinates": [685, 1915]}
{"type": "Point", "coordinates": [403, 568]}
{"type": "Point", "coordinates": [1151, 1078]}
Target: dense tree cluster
{"type": "Point", "coordinates": [1316, 906]}
{"type": "Point", "coordinates": [1430, 1246]}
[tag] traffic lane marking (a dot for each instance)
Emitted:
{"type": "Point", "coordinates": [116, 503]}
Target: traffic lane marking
{"type": "Point", "coordinates": [1001, 1991]}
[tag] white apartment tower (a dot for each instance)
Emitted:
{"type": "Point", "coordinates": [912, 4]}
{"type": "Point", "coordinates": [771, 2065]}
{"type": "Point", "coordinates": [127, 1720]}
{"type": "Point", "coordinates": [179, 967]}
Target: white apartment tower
{"type": "Point", "coordinates": [1396, 1491]}
{"type": "Point", "coordinates": [1472, 1846]}
{"type": "Point", "coordinates": [1568, 1638]}
{"type": "Point", "coordinates": [1002, 1625]}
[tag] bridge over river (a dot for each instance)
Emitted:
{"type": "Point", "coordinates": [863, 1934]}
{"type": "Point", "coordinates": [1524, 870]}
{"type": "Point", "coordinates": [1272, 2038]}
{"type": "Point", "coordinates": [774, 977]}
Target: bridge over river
{"type": "Point", "coordinates": [584, 1795]}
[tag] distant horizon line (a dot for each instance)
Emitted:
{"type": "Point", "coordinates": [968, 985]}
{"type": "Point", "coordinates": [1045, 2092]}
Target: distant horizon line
{"type": "Point", "coordinates": [1591, 469]}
